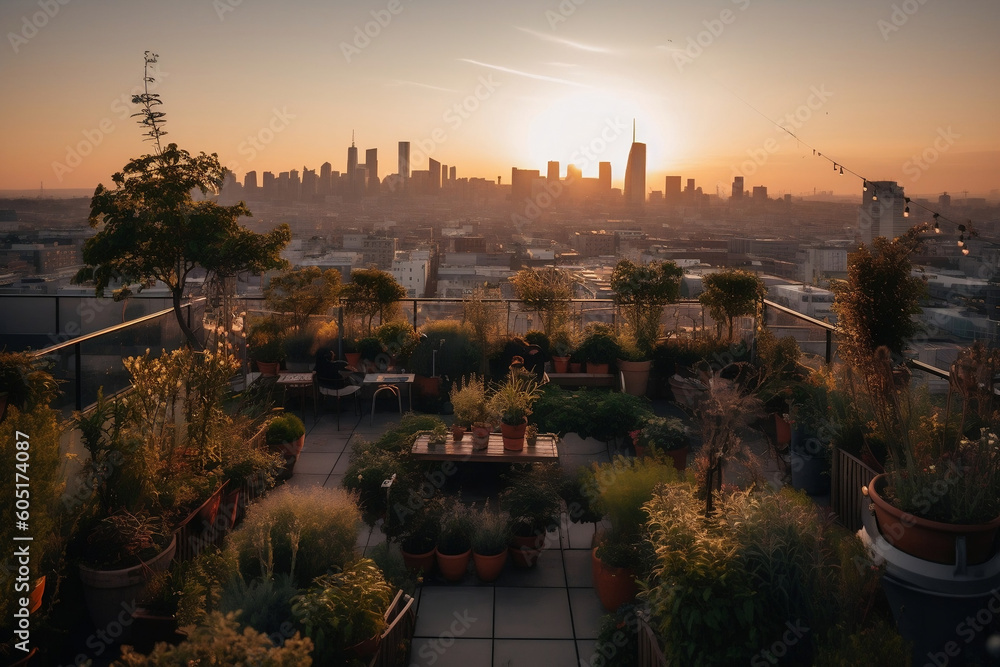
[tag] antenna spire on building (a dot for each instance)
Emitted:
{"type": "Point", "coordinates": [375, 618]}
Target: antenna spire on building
{"type": "Point", "coordinates": [352, 138]}
{"type": "Point", "coordinates": [633, 130]}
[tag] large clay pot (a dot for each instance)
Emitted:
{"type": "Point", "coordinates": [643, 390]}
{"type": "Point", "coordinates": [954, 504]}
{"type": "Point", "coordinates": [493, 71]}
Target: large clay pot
{"type": "Point", "coordinates": [269, 368]}
{"type": "Point", "coordinates": [636, 374]}
{"type": "Point", "coordinates": [453, 567]}
{"type": "Point", "coordinates": [108, 593]}
{"type": "Point", "coordinates": [353, 359]}
{"type": "Point", "coordinates": [598, 369]}
{"type": "Point", "coordinates": [930, 540]}
{"type": "Point", "coordinates": [423, 563]}
{"type": "Point", "coordinates": [488, 568]}
{"type": "Point", "coordinates": [615, 586]}
{"type": "Point", "coordinates": [427, 386]}
{"type": "Point", "coordinates": [679, 457]}
{"type": "Point", "coordinates": [513, 435]}
{"type": "Point", "coordinates": [575, 367]}
{"type": "Point", "coordinates": [560, 364]}
{"type": "Point", "coordinates": [524, 550]}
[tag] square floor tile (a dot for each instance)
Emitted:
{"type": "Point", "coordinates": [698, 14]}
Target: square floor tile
{"type": "Point", "coordinates": [343, 463]}
{"type": "Point", "coordinates": [448, 652]}
{"type": "Point", "coordinates": [530, 613]}
{"type": "Point", "coordinates": [579, 572]}
{"type": "Point", "coordinates": [587, 612]}
{"type": "Point", "coordinates": [461, 612]}
{"type": "Point", "coordinates": [326, 441]}
{"type": "Point", "coordinates": [306, 479]}
{"type": "Point", "coordinates": [547, 572]}
{"type": "Point", "coordinates": [334, 481]}
{"type": "Point", "coordinates": [316, 462]}
{"type": "Point", "coordinates": [534, 652]}
{"type": "Point", "coordinates": [587, 650]}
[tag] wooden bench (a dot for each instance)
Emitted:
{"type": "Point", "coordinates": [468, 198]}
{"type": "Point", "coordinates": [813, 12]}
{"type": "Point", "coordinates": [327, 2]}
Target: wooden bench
{"type": "Point", "coordinates": [544, 449]}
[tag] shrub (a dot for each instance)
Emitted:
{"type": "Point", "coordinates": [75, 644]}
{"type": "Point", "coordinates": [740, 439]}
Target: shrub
{"type": "Point", "coordinates": [492, 531]}
{"type": "Point", "coordinates": [264, 604]}
{"type": "Point", "coordinates": [398, 340]}
{"type": "Point", "coordinates": [468, 400]}
{"type": "Point", "coordinates": [458, 356]}
{"type": "Point", "coordinates": [599, 345]}
{"type": "Point", "coordinates": [284, 428]}
{"type": "Point", "coordinates": [457, 527]}
{"type": "Point", "coordinates": [532, 497]}
{"type": "Point", "coordinates": [304, 532]}
{"type": "Point", "coordinates": [539, 338]}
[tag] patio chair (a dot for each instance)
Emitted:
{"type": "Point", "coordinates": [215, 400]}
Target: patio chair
{"type": "Point", "coordinates": [333, 378]}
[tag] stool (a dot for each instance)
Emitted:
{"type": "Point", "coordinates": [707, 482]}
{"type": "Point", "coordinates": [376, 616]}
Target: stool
{"type": "Point", "coordinates": [392, 388]}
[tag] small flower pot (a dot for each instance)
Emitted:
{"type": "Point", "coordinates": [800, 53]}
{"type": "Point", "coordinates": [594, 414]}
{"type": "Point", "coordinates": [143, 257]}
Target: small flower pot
{"type": "Point", "coordinates": [513, 436]}
{"type": "Point", "coordinates": [488, 568]}
{"type": "Point", "coordinates": [453, 568]}
{"type": "Point", "coordinates": [560, 364]}
{"type": "Point", "coordinates": [480, 437]}
{"type": "Point", "coordinates": [598, 369]}
{"type": "Point", "coordinates": [457, 433]}
{"type": "Point", "coordinates": [422, 563]}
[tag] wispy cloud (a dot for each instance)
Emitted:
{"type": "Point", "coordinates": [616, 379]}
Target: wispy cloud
{"type": "Point", "coordinates": [529, 75]}
{"type": "Point", "coordinates": [395, 83]}
{"type": "Point", "coordinates": [562, 65]}
{"type": "Point", "coordinates": [565, 42]}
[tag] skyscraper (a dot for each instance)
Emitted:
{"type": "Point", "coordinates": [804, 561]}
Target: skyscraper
{"type": "Point", "coordinates": [404, 160]}
{"type": "Point", "coordinates": [604, 177]}
{"type": "Point", "coordinates": [672, 188]}
{"type": "Point", "coordinates": [635, 173]}
{"type": "Point", "coordinates": [881, 212]}
{"type": "Point", "coordinates": [352, 168]}
{"type": "Point", "coordinates": [371, 164]}
{"type": "Point", "coordinates": [250, 182]}
{"type": "Point", "coordinates": [325, 181]}
{"type": "Point", "coordinates": [434, 167]}
{"type": "Point", "coordinates": [737, 187]}
{"type": "Point", "coordinates": [553, 173]}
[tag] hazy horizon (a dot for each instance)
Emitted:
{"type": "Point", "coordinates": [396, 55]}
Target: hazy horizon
{"type": "Point", "coordinates": [896, 91]}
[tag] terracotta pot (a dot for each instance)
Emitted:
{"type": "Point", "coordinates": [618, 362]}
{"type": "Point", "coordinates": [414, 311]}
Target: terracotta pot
{"type": "Point", "coordinates": [560, 364]}
{"type": "Point", "coordinates": [640, 451]}
{"type": "Point", "coordinates": [524, 551]}
{"type": "Point", "coordinates": [427, 386]}
{"type": "Point", "coordinates": [423, 562]}
{"type": "Point", "coordinates": [575, 367]}
{"type": "Point", "coordinates": [453, 568]}
{"type": "Point", "coordinates": [636, 374]}
{"type": "Point", "coordinates": [488, 568]}
{"type": "Point", "coordinates": [480, 437]}
{"type": "Point", "coordinates": [353, 359]}
{"type": "Point", "coordinates": [513, 435]}
{"type": "Point", "coordinates": [457, 433]}
{"type": "Point", "coordinates": [598, 369]}
{"type": "Point", "coordinates": [35, 597]}
{"type": "Point", "coordinates": [680, 457]}
{"type": "Point", "coordinates": [615, 586]}
{"type": "Point", "coordinates": [269, 368]}
{"type": "Point", "coordinates": [930, 540]}
{"type": "Point", "coordinates": [365, 649]}
{"type": "Point", "coordinates": [783, 431]}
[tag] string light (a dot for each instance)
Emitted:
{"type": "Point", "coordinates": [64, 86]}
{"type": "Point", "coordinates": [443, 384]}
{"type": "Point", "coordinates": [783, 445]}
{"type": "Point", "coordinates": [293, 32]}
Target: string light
{"type": "Point", "coordinates": [841, 171]}
{"type": "Point", "coordinates": [937, 227]}
{"type": "Point", "coordinates": [906, 209]}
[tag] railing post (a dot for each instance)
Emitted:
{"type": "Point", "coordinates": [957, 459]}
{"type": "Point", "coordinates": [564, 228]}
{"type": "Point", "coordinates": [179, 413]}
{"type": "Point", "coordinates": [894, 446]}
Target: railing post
{"type": "Point", "coordinates": [507, 325]}
{"type": "Point", "coordinates": [57, 315]}
{"type": "Point", "coordinates": [78, 380]}
{"type": "Point", "coordinates": [414, 314]}
{"type": "Point", "coordinates": [829, 347]}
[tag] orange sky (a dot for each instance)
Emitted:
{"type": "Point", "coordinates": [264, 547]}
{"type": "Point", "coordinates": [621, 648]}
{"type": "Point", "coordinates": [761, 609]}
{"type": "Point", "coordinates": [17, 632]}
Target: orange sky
{"type": "Point", "coordinates": [894, 95]}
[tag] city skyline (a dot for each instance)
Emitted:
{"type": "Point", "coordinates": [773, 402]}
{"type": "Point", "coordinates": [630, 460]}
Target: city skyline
{"type": "Point", "coordinates": [723, 89]}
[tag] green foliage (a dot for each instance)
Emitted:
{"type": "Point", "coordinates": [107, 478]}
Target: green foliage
{"type": "Point", "coordinates": [372, 292]}
{"type": "Point", "coordinates": [390, 561]}
{"type": "Point", "coordinates": [398, 339]}
{"type": "Point", "coordinates": [532, 495]}
{"type": "Point", "coordinates": [27, 380]}
{"type": "Point", "coordinates": [486, 317]}
{"type": "Point", "coordinates": [304, 532]}
{"type": "Point", "coordinates": [578, 488]}
{"type": "Point", "coordinates": [460, 355]}
{"type": "Point", "coordinates": [370, 348]}
{"type": "Point", "coordinates": [664, 433]}
{"type": "Point", "coordinates": [220, 642]}
{"type": "Point", "coordinates": [343, 609]}
{"type": "Point", "coordinates": [513, 398]}
{"type": "Point", "coordinates": [679, 354]}
{"type": "Point", "coordinates": [546, 290]}
{"type": "Point", "coordinates": [364, 477]}
{"type": "Point", "coordinates": [875, 305]}
{"type": "Point", "coordinates": [286, 427]}
{"type": "Point", "coordinates": [265, 341]}
{"type": "Point", "coordinates": [599, 345]}
{"type": "Point", "coordinates": [731, 293]}
{"type": "Point", "coordinates": [539, 338]}
{"type": "Point", "coordinates": [198, 583]}
{"type": "Point", "coordinates": [468, 400]}
{"type": "Point", "coordinates": [605, 415]}
{"type": "Point", "coordinates": [299, 294]}
{"type": "Point", "coordinates": [641, 292]}
{"type": "Point", "coordinates": [877, 645]}
{"type": "Point", "coordinates": [265, 603]}
{"type": "Point", "coordinates": [618, 638]}
{"type": "Point", "coordinates": [457, 527]}
{"type": "Point", "coordinates": [492, 531]}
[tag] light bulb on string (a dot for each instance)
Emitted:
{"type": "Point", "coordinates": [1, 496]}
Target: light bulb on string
{"type": "Point", "coordinates": [864, 185]}
{"type": "Point", "coordinates": [906, 209]}
{"type": "Point", "coordinates": [841, 171]}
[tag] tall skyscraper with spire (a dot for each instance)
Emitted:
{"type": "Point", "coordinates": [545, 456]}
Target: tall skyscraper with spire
{"type": "Point", "coordinates": [635, 172]}
{"type": "Point", "coordinates": [352, 168]}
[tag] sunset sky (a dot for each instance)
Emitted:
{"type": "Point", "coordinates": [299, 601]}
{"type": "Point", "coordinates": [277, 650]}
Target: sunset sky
{"type": "Point", "coordinates": [902, 90]}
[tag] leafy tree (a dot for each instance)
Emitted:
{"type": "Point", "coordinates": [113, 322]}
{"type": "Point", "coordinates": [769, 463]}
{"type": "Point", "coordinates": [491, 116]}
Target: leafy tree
{"type": "Point", "coordinates": [371, 292]}
{"type": "Point", "coordinates": [875, 305]}
{"type": "Point", "coordinates": [731, 293]}
{"type": "Point", "coordinates": [150, 228]}
{"type": "Point", "coordinates": [548, 291]}
{"type": "Point", "coordinates": [641, 291]}
{"type": "Point", "coordinates": [302, 293]}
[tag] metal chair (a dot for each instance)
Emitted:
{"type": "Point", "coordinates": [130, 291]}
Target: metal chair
{"type": "Point", "coordinates": [392, 388]}
{"type": "Point", "coordinates": [333, 379]}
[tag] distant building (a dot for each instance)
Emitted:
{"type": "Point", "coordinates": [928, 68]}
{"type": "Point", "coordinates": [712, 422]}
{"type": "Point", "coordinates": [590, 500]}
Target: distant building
{"type": "Point", "coordinates": [737, 187]}
{"type": "Point", "coordinates": [635, 174]}
{"type": "Point", "coordinates": [434, 169]}
{"type": "Point", "coordinates": [404, 160]}
{"type": "Point", "coordinates": [672, 188]}
{"type": "Point", "coordinates": [594, 244]}
{"type": "Point", "coordinates": [377, 250]}
{"type": "Point", "coordinates": [805, 299]}
{"type": "Point", "coordinates": [822, 262]}
{"type": "Point", "coordinates": [881, 212]}
{"type": "Point", "coordinates": [553, 170]}
{"type": "Point", "coordinates": [759, 193]}
{"type": "Point", "coordinates": [604, 177]}
{"type": "Point", "coordinates": [371, 165]}
{"type": "Point", "coordinates": [410, 269]}
{"type": "Point", "coordinates": [352, 170]}
{"type": "Point", "coordinates": [250, 182]}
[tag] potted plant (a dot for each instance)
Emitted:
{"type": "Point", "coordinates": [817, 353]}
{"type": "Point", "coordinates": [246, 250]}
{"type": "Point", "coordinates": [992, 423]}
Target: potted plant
{"type": "Point", "coordinates": [372, 352]}
{"type": "Point", "coordinates": [560, 349]}
{"type": "Point", "coordinates": [621, 553]}
{"type": "Point", "coordinates": [811, 432]}
{"type": "Point", "coordinates": [641, 292]}
{"type": "Point", "coordinates": [419, 534]}
{"type": "Point", "coordinates": [264, 345]}
{"type": "Point", "coordinates": [531, 498]}
{"type": "Point", "coordinates": [468, 400]}
{"type": "Point", "coordinates": [343, 613]}
{"type": "Point", "coordinates": [286, 434]}
{"type": "Point", "coordinates": [490, 539]}
{"type": "Point", "coordinates": [398, 341]}
{"type": "Point", "coordinates": [664, 436]}
{"type": "Point", "coordinates": [352, 354]}
{"type": "Point", "coordinates": [598, 349]}
{"type": "Point", "coordinates": [512, 400]}
{"type": "Point", "coordinates": [454, 540]}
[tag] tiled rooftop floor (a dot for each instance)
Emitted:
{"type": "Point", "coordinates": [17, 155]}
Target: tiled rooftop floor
{"type": "Point", "coordinates": [547, 615]}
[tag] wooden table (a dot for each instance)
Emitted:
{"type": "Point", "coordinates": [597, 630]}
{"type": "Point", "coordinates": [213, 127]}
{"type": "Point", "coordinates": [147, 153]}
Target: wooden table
{"type": "Point", "coordinates": [544, 449]}
{"type": "Point", "coordinates": [301, 381]}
